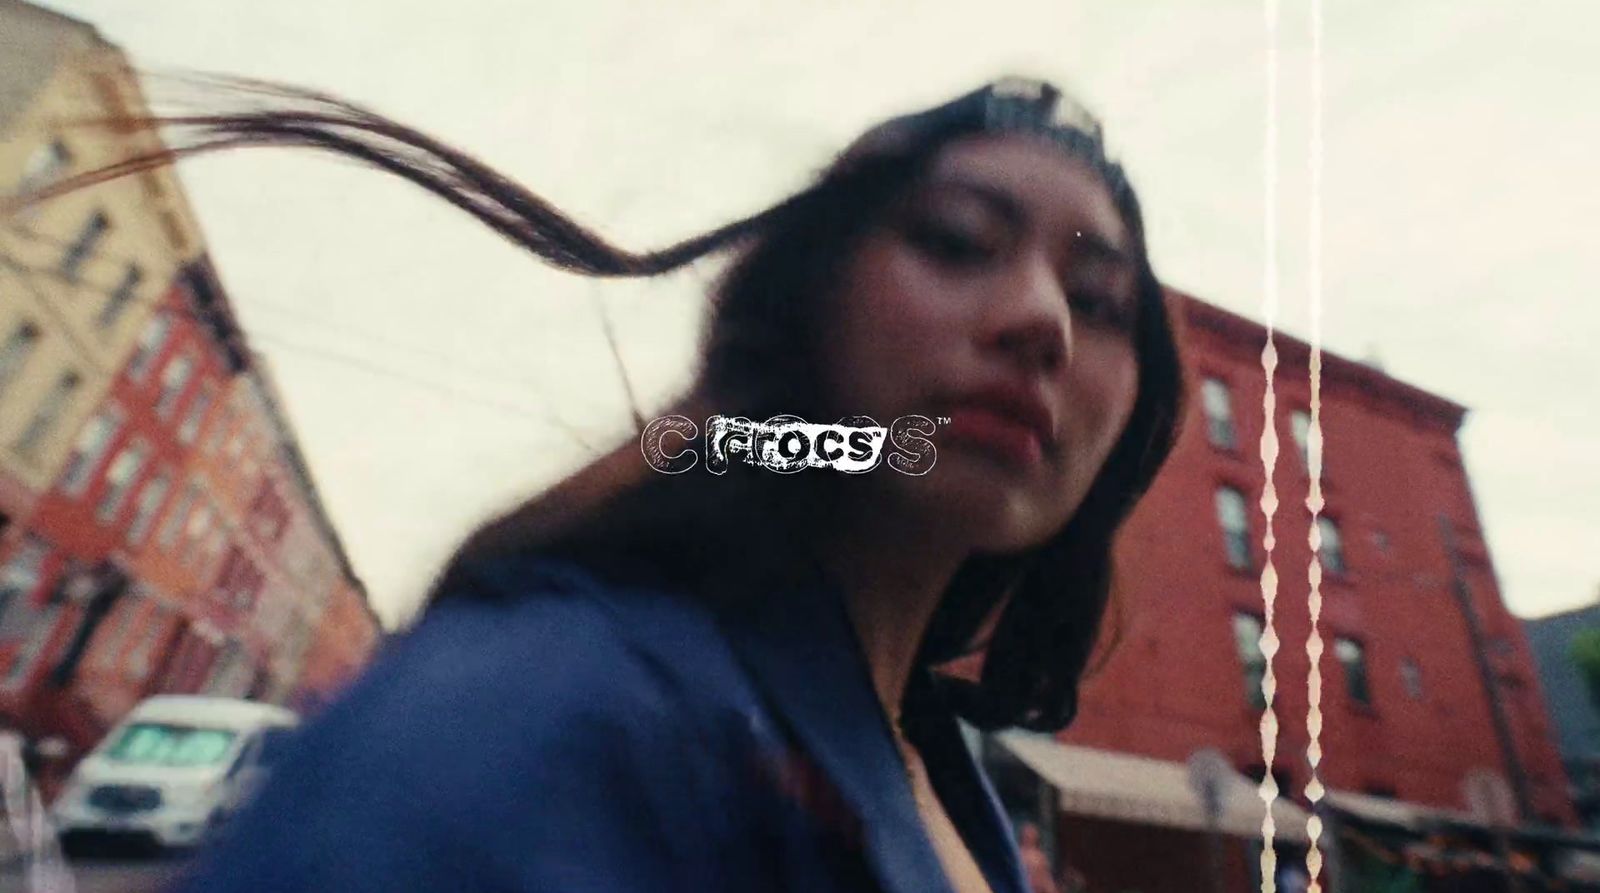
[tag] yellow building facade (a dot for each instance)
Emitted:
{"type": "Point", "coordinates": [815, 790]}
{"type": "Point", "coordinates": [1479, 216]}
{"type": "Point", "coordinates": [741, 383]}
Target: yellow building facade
{"type": "Point", "coordinates": [79, 275]}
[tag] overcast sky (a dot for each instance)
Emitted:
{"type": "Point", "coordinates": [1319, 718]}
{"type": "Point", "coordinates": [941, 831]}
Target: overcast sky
{"type": "Point", "coordinates": [432, 371]}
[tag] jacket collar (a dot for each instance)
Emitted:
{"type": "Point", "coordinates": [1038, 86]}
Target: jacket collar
{"type": "Point", "coordinates": [803, 654]}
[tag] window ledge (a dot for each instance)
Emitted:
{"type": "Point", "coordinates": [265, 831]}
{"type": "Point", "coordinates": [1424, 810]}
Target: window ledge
{"type": "Point", "coordinates": [1365, 711]}
{"type": "Point", "coordinates": [1252, 573]}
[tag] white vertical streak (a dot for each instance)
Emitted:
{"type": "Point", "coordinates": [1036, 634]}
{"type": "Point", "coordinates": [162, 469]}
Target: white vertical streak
{"type": "Point", "coordinates": [1269, 448]}
{"type": "Point", "coordinates": [1314, 789]}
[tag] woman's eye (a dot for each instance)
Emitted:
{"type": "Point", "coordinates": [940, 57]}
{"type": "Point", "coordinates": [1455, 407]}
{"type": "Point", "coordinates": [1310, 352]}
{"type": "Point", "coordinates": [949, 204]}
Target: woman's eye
{"type": "Point", "coordinates": [950, 244]}
{"type": "Point", "coordinates": [1101, 308]}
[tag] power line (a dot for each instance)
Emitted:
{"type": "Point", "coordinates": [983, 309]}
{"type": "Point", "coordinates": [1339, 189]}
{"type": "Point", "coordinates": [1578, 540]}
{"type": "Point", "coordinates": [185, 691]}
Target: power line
{"type": "Point", "coordinates": [383, 371]}
{"type": "Point", "coordinates": [31, 234]}
{"type": "Point", "coordinates": [21, 270]}
{"type": "Point", "coordinates": [394, 344]}
{"type": "Point", "coordinates": [173, 269]}
{"type": "Point", "coordinates": [159, 305]}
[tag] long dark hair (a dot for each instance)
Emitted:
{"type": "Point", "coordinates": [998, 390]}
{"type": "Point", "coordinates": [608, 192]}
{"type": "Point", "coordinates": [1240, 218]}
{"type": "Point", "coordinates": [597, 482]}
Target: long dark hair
{"type": "Point", "coordinates": [759, 355]}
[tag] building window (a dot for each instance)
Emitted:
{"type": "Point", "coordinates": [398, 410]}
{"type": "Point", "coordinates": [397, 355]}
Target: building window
{"type": "Point", "coordinates": [144, 645]}
{"type": "Point", "coordinates": [31, 626]}
{"type": "Point", "coordinates": [1235, 521]}
{"type": "Point", "coordinates": [231, 675]}
{"type": "Point", "coordinates": [149, 503]}
{"type": "Point", "coordinates": [15, 351]}
{"type": "Point", "coordinates": [1332, 551]}
{"type": "Point", "coordinates": [236, 442]}
{"type": "Point", "coordinates": [151, 340]}
{"type": "Point", "coordinates": [1354, 660]}
{"type": "Point", "coordinates": [200, 521]}
{"type": "Point", "coordinates": [84, 245]}
{"type": "Point", "coordinates": [120, 299]}
{"type": "Point", "coordinates": [1411, 678]}
{"type": "Point", "coordinates": [47, 414]}
{"type": "Point", "coordinates": [124, 470]}
{"type": "Point", "coordinates": [19, 578]}
{"type": "Point", "coordinates": [141, 636]}
{"type": "Point", "coordinates": [21, 619]}
{"type": "Point", "coordinates": [45, 165]}
{"type": "Point", "coordinates": [219, 431]}
{"type": "Point", "coordinates": [196, 415]}
{"type": "Point", "coordinates": [173, 380]}
{"type": "Point", "coordinates": [33, 637]}
{"type": "Point", "coordinates": [239, 581]}
{"type": "Point", "coordinates": [1219, 414]}
{"type": "Point", "coordinates": [270, 512]}
{"type": "Point", "coordinates": [1300, 428]}
{"type": "Point", "coordinates": [93, 442]}
{"type": "Point", "coordinates": [1247, 639]}
{"type": "Point", "coordinates": [179, 516]}
{"type": "Point", "coordinates": [173, 231]}
{"type": "Point", "coordinates": [112, 637]}
{"type": "Point", "coordinates": [248, 469]}
{"type": "Point", "coordinates": [213, 549]}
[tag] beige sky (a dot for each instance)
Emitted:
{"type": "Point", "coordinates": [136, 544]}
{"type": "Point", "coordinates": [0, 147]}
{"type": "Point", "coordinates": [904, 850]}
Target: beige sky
{"type": "Point", "coordinates": [1460, 210]}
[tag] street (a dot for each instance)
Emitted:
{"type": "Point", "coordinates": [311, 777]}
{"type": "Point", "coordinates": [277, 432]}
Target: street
{"type": "Point", "coordinates": [109, 875]}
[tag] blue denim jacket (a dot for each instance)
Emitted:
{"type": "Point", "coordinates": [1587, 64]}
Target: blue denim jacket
{"type": "Point", "coordinates": [580, 736]}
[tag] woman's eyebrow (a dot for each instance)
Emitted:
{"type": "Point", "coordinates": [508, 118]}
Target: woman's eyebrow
{"type": "Point", "coordinates": [1002, 202]}
{"type": "Point", "coordinates": [1099, 248]}
{"type": "Point", "coordinates": [996, 198]}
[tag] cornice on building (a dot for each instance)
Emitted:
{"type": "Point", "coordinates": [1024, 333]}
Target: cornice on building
{"type": "Point", "coordinates": [214, 312]}
{"type": "Point", "coordinates": [1386, 391]}
{"type": "Point", "coordinates": [266, 390]}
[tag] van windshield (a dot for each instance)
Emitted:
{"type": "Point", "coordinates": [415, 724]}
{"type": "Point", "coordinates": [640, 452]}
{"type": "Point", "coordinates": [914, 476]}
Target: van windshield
{"type": "Point", "coordinates": [167, 744]}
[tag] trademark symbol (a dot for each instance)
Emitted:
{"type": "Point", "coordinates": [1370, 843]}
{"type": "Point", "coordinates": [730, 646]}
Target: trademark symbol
{"type": "Point", "coordinates": [943, 420]}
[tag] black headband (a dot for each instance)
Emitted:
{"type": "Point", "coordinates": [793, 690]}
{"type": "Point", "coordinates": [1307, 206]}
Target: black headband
{"type": "Point", "coordinates": [1011, 105]}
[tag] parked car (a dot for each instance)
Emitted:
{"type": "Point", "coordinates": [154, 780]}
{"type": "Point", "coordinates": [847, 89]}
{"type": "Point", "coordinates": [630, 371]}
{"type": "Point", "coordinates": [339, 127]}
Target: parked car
{"type": "Point", "coordinates": [172, 771]}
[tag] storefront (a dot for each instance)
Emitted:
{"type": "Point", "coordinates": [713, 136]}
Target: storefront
{"type": "Point", "coordinates": [1391, 845]}
{"type": "Point", "coordinates": [1128, 822]}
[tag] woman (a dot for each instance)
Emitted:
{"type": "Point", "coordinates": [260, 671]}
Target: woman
{"type": "Point", "coordinates": [652, 682]}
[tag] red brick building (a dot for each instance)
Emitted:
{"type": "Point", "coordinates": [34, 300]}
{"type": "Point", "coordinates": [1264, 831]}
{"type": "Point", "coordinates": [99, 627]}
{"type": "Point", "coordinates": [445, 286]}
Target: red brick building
{"type": "Point", "coordinates": [345, 639]}
{"type": "Point", "coordinates": [159, 529]}
{"type": "Point", "coordinates": [101, 513]}
{"type": "Point", "coordinates": [182, 548]}
{"type": "Point", "coordinates": [1405, 711]}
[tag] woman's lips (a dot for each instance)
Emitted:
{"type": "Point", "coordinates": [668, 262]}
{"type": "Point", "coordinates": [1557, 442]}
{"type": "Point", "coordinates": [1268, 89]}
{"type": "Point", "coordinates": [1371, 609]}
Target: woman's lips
{"type": "Point", "coordinates": [996, 432]}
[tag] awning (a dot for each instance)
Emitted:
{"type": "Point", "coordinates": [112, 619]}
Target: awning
{"type": "Point", "coordinates": [1129, 788]}
{"type": "Point", "coordinates": [1386, 811]}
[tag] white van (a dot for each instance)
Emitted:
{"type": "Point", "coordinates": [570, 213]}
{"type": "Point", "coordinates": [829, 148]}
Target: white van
{"type": "Point", "coordinates": [172, 770]}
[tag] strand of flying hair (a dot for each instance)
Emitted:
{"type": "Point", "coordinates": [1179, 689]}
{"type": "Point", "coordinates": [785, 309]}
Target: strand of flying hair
{"type": "Point", "coordinates": [299, 117]}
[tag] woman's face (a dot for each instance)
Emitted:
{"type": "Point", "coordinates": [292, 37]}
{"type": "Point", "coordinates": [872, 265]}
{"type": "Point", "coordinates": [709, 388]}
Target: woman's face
{"type": "Point", "coordinates": [1001, 294]}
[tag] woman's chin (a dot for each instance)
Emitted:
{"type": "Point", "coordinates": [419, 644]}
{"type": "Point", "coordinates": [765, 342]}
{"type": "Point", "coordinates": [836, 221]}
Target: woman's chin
{"type": "Point", "coordinates": [1004, 538]}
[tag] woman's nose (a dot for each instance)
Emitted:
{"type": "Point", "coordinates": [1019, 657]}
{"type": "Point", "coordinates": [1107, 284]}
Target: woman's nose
{"type": "Point", "coordinates": [1032, 324]}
